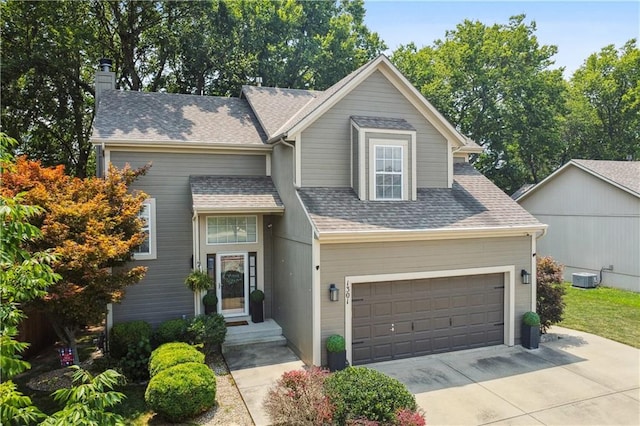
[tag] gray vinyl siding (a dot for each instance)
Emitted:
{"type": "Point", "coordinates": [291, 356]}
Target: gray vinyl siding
{"type": "Point", "coordinates": [325, 152]}
{"type": "Point", "coordinates": [162, 295]}
{"type": "Point", "coordinates": [591, 224]}
{"type": "Point", "coordinates": [292, 261]}
{"type": "Point", "coordinates": [341, 260]}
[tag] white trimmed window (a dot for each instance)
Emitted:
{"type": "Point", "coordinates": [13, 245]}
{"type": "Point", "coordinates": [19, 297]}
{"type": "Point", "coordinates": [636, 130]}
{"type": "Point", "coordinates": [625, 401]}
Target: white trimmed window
{"type": "Point", "coordinates": [232, 229]}
{"type": "Point", "coordinates": [147, 250]}
{"type": "Point", "coordinates": [388, 170]}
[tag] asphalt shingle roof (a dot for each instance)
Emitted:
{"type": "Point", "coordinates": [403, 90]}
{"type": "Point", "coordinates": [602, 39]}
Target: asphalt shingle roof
{"type": "Point", "coordinates": [152, 117]}
{"type": "Point", "coordinates": [624, 173]}
{"type": "Point", "coordinates": [472, 202]}
{"type": "Point", "coordinates": [382, 123]}
{"type": "Point", "coordinates": [234, 192]}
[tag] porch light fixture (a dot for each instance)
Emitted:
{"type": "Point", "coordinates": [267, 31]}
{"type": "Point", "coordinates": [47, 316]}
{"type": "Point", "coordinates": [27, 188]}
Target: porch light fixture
{"type": "Point", "coordinates": [526, 277]}
{"type": "Point", "coordinates": [333, 293]}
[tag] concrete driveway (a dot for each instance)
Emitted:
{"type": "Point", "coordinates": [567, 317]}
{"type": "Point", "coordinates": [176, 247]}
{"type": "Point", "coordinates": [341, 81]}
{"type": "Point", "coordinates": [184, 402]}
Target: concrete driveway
{"type": "Point", "coordinates": [574, 378]}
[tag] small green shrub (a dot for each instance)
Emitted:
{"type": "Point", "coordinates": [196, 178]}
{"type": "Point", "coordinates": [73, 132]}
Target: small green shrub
{"type": "Point", "coordinates": [359, 392]}
{"type": "Point", "coordinates": [298, 398]}
{"type": "Point", "coordinates": [210, 299]}
{"type": "Point", "coordinates": [174, 330]}
{"type": "Point", "coordinates": [531, 319]}
{"type": "Point", "coordinates": [207, 330]}
{"type": "Point", "coordinates": [171, 354]}
{"type": "Point", "coordinates": [549, 292]}
{"type": "Point", "coordinates": [256, 296]}
{"type": "Point", "coordinates": [335, 343]}
{"type": "Point", "coordinates": [182, 391]}
{"type": "Point", "coordinates": [134, 364]}
{"type": "Point", "coordinates": [125, 334]}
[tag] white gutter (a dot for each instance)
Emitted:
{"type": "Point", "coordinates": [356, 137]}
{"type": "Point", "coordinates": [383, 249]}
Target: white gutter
{"type": "Point", "coordinates": [180, 145]}
{"type": "Point", "coordinates": [427, 234]}
{"type": "Point", "coordinates": [239, 210]}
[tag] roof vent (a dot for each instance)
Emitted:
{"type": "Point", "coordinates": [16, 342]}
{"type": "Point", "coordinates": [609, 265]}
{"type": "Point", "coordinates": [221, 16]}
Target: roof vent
{"type": "Point", "coordinates": [105, 64]}
{"type": "Point", "coordinates": [584, 280]}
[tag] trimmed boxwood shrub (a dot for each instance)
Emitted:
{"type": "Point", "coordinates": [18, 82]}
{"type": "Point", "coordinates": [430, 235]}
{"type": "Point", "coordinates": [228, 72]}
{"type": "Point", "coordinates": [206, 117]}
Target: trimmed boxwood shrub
{"type": "Point", "coordinates": [362, 393]}
{"type": "Point", "coordinates": [335, 343]}
{"type": "Point", "coordinates": [171, 354]}
{"type": "Point", "coordinates": [182, 391]}
{"type": "Point", "coordinates": [126, 334]}
{"type": "Point", "coordinates": [174, 330]}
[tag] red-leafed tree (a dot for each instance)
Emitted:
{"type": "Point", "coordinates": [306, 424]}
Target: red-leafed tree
{"type": "Point", "coordinates": [91, 225]}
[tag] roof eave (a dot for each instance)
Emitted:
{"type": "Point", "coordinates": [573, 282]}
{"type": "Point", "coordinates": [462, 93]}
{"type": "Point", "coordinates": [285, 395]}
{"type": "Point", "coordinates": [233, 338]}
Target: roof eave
{"type": "Point", "coordinates": [336, 237]}
{"type": "Point", "coordinates": [174, 144]}
{"type": "Point", "coordinates": [238, 210]}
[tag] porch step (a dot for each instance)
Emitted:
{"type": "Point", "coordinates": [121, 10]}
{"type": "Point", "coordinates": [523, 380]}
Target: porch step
{"type": "Point", "coordinates": [263, 334]}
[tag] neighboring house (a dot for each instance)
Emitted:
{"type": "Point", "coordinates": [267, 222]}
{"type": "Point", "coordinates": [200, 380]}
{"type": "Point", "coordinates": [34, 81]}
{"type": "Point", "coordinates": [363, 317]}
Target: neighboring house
{"type": "Point", "coordinates": [592, 208]}
{"type": "Point", "coordinates": [364, 186]}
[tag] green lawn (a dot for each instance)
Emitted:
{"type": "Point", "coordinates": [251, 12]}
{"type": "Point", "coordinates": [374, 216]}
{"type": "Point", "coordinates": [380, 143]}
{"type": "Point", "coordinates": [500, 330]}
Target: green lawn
{"type": "Point", "coordinates": [604, 311]}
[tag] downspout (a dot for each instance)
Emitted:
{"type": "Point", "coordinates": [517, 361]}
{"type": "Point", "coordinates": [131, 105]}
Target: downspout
{"type": "Point", "coordinates": [285, 143]}
{"type": "Point", "coordinates": [196, 259]}
{"type": "Point", "coordinates": [534, 265]}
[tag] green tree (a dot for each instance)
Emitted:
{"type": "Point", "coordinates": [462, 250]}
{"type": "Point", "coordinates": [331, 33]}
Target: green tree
{"type": "Point", "coordinates": [92, 227]}
{"type": "Point", "coordinates": [24, 276]}
{"type": "Point", "coordinates": [604, 103]}
{"type": "Point", "coordinates": [496, 85]}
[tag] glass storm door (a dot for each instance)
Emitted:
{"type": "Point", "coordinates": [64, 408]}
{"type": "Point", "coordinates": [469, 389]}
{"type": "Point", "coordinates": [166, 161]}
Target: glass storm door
{"type": "Point", "coordinates": [232, 284]}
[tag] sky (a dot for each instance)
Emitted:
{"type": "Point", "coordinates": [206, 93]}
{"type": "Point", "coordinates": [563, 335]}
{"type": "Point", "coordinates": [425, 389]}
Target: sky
{"type": "Point", "coordinates": [577, 28]}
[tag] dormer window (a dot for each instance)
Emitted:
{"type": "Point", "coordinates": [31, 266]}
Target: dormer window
{"type": "Point", "coordinates": [383, 159]}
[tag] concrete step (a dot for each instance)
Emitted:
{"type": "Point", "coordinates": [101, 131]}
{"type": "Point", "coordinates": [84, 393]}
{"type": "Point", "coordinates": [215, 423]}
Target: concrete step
{"type": "Point", "coordinates": [267, 333]}
{"type": "Point", "coordinates": [264, 342]}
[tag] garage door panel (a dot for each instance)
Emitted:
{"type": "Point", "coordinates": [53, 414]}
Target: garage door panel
{"type": "Point", "coordinates": [428, 316]}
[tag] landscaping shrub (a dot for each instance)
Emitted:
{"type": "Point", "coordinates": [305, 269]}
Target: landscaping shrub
{"type": "Point", "coordinates": [362, 393]}
{"type": "Point", "coordinates": [124, 334]}
{"type": "Point", "coordinates": [182, 391]}
{"type": "Point", "coordinates": [134, 364]}
{"type": "Point", "coordinates": [406, 417]}
{"type": "Point", "coordinates": [174, 330]}
{"type": "Point", "coordinates": [298, 398]}
{"type": "Point", "coordinates": [171, 354]}
{"type": "Point", "coordinates": [208, 330]}
{"type": "Point", "coordinates": [549, 296]}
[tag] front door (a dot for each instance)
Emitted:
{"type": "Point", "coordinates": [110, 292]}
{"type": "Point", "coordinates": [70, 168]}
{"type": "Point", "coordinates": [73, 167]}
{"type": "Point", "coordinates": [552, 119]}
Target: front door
{"type": "Point", "coordinates": [233, 284]}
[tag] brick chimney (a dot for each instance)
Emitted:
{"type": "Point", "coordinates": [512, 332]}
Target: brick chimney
{"type": "Point", "coordinates": [105, 78]}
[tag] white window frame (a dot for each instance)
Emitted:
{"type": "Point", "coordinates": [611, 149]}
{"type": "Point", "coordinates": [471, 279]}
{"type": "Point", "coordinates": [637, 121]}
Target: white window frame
{"type": "Point", "coordinates": [152, 253]}
{"type": "Point", "coordinates": [383, 143]}
{"type": "Point", "coordinates": [206, 230]}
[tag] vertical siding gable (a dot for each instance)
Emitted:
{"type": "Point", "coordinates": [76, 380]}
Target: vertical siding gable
{"type": "Point", "coordinates": [326, 147]}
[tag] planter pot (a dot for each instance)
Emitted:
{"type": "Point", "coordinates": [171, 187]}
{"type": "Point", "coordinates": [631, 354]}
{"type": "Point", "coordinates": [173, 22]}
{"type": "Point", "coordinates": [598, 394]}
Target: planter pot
{"type": "Point", "coordinates": [257, 312]}
{"type": "Point", "coordinates": [530, 336]}
{"type": "Point", "coordinates": [209, 309]}
{"type": "Point", "coordinates": [337, 361]}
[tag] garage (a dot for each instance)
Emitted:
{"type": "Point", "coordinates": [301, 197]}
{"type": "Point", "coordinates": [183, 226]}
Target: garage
{"type": "Point", "coordinates": [402, 319]}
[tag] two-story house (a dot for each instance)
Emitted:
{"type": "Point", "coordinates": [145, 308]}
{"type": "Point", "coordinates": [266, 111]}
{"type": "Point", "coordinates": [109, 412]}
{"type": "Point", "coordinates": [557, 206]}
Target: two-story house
{"type": "Point", "coordinates": [364, 188]}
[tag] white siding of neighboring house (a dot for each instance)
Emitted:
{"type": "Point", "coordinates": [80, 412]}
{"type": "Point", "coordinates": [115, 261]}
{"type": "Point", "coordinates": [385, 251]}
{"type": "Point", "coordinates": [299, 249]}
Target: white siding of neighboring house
{"type": "Point", "coordinates": [591, 224]}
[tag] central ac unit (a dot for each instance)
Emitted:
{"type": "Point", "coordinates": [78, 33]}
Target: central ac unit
{"type": "Point", "coordinates": [584, 280]}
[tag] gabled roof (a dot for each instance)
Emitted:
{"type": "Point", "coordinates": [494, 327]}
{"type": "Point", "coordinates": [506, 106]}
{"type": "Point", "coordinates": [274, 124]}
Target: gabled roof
{"type": "Point", "coordinates": [234, 194]}
{"type": "Point", "coordinates": [317, 103]}
{"type": "Point", "coordinates": [473, 203]}
{"type": "Point", "coordinates": [173, 118]}
{"type": "Point", "coordinates": [621, 174]}
{"type": "Point", "coordinates": [382, 123]}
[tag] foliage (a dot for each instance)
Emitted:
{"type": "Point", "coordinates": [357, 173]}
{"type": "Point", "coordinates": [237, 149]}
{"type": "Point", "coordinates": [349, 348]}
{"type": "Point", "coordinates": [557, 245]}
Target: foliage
{"type": "Point", "coordinates": [91, 225]}
{"type": "Point", "coordinates": [298, 398]}
{"type": "Point", "coordinates": [604, 101]}
{"type": "Point", "coordinates": [359, 392]}
{"type": "Point", "coordinates": [531, 319]}
{"type": "Point", "coordinates": [335, 343]}
{"type": "Point", "coordinates": [88, 400]}
{"type": "Point", "coordinates": [256, 296]}
{"type": "Point", "coordinates": [50, 50]}
{"type": "Point", "coordinates": [407, 417]}
{"type": "Point", "coordinates": [182, 391]}
{"type": "Point", "coordinates": [16, 408]}
{"type": "Point", "coordinates": [496, 85]}
{"type": "Point", "coordinates": [198, 281]}
{"type": "Point", "coordinates": [125, 334]}
{"type": "Point", "coordinates": [134, 364]}
{"type": "Point", "coordinates": [608, 312]}
{"type": "Point", "coordinates": [207, 330]}
{"type": "Point", "coordinates": [174, 330]}
{"type": "Point", "coordinates": [169, 355]}
{"type": "Point", "coordinates": [549, 292]}
{"type": "Point", "coordinates": [210, 299]}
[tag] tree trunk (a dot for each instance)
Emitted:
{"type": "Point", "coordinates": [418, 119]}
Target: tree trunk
{"type": "Point", "coordinates": [68, 336]}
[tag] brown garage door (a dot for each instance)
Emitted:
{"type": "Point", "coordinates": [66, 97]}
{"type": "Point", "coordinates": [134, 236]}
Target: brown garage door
{"type": "Point", "coordinates": [401, 319]}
